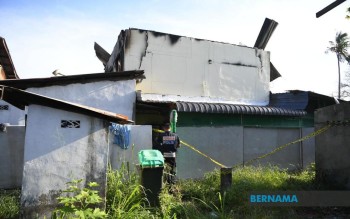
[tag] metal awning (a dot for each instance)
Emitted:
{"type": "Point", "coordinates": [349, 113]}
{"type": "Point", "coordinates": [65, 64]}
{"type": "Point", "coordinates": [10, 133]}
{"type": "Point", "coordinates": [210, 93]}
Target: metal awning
{"type": "Point", "coordinates": [235, 109]}
{"type": "Point", "coordinates": [206, 105]}
{"type": "Point", "coordinates": [223, 108]}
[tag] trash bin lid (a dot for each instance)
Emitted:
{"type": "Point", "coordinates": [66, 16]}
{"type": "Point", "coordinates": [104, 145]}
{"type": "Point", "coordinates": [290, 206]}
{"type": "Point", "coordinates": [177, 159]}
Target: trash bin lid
{"type": "Point", "coordinates": [151, 158]}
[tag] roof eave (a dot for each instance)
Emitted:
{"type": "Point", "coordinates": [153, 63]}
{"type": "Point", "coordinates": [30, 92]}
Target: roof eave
{"type": "Point", "coordinates": [71, 79]}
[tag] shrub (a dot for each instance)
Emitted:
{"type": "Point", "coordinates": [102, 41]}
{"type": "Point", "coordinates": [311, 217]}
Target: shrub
{"type": "Point", "coordinates": [79, 202]}
{"type": "Point", "coordinates": [9, 203]}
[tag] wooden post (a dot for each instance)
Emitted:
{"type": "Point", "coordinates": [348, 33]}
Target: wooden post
{"type": "Point", "coordinates": [226, 179]}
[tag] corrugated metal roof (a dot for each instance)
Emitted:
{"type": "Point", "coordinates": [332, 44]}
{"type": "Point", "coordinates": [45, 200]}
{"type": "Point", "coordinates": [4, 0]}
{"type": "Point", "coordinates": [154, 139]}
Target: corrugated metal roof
{"type": "Point", "coordinates": [290, 100]}
{"type": "Point", "coordinates": [6, 60]}
{"type": "Point", "coordinates": [301, 100]}
{"type": "Point", "coordinates": [70, 79]}
{"type": "Point", "coordinates": [235, 109]}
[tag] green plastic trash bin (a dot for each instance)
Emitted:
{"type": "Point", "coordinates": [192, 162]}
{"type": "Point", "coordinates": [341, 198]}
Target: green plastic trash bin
{"type": "Point", "coordinates": [152, 165]}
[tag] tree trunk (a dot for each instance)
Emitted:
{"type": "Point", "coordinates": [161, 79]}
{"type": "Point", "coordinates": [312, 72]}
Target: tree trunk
{"type": "Point", "coordinates": [338, 58]}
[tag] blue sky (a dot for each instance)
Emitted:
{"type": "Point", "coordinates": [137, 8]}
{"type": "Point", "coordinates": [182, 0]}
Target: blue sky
{"type": "Point", "coordinates": [46, 35]}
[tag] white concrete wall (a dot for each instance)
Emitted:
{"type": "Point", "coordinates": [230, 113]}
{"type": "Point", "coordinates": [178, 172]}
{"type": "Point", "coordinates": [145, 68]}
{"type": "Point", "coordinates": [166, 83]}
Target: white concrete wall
{"type": "Point", "coordinates": [54, 156]}
{"type": "Point", "coordinates": [11, 157]}
{"type": "Point", "coordinates": [332, 147]}
{"type": "Point", "coordinates": [260, 141]}
{"type": "Point", "coordinates": [114, 96]}
{"type": "Point", "coordinates": [223, 144]}
{"type": "Point", "coordinates": [231, 145]}
{"type": "Point", "coordinates": [192, 67]}
{"type": "Point", "coordinates": [308, 148]}
{"type": "Point", "coordinates": [140, 139]}
{"type": "Point", "coordinates": [13, 115]}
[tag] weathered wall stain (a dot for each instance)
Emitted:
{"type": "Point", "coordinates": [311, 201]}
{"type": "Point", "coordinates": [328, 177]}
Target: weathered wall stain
{"type": "Point", "coordinates": [145, 50]}
{"type": "Point", "coordinates": [239, 64]}
{"type": "Point", "coordinates": [49, 167]}
{"type": "Point", "coordinates": [41, 206]}
{"type": "Point", "coordinates": [173, 38]}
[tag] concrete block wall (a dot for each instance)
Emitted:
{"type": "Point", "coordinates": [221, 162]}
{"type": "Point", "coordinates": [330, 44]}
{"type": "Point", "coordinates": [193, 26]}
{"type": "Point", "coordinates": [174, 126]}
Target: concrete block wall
{"type": "Point", "coordinates": [54, 155]}
{"type": "Point", "coordinates": [117, 96]}
{"type": "Point", "coordinates": [140, 139]}
{"type": "Point", "coordinates": [11, 157]}
{"type": "Point", "coordinates": [224, 144]}
{"type": "Point", "coordinates": [333, 147]}
{"type": "Point", "coordinates": [11, 114]}
{"type": "Point", "coordinates": [232, 145]}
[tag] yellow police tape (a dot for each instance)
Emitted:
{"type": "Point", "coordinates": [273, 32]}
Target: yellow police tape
{"type": "Point", "coordinates": [201, 153]}
{"type": "Point", "coordinates": [313, 134]}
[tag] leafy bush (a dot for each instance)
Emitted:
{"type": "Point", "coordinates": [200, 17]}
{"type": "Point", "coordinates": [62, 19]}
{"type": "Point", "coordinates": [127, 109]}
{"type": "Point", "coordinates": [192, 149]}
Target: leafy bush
{"type": "Point", "coordinates": [79, 202]}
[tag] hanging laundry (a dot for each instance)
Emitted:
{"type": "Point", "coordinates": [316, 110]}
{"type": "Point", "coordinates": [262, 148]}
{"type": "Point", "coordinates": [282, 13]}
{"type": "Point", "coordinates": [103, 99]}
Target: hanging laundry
{"type": "Point", "coordinates": [121, 135]}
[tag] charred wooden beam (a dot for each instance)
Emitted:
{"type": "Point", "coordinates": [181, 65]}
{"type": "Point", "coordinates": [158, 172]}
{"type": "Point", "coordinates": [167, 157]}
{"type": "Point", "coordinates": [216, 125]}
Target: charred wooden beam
{"type": "Point", "coordinates": [101, 54]}
{"type": "Point", "coordinates": [329, 7]}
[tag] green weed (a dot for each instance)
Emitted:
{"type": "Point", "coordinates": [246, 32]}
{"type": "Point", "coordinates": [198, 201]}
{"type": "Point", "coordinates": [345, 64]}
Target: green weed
{"type": "Point", "coordinates": [125, 195]}
{"type": "Point", "coordinates": [79, 202]}
{"type": "Point", "coordinates": [194, 198]}
{"type": "Point", "coordinates": [9, 203]}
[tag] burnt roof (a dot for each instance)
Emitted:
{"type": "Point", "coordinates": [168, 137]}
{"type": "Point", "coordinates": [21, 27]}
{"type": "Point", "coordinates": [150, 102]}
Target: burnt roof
{"type": "Point", "coordinates": [6, 61]}
{"type": "Point", "coordinates": [71, 79]}
{"type": "Point", "coordinates": [20, 99]}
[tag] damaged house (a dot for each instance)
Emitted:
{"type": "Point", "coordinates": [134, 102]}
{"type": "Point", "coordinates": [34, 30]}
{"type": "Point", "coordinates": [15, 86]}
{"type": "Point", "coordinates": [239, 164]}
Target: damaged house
{"type": "Point", "coordinates": [75, 146]}
{"type": "Point", "coordinates": [107, 92]}
{"type": "Point", "coordinates": [219, 90]}
{"type": "Point", "coordinates": [74, 114]}
{"type": "Point", "coordinates": [221, 94]}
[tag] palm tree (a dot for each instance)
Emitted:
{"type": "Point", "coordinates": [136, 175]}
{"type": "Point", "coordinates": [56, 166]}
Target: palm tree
{"type": "Point", "coordinates": [339, 47]}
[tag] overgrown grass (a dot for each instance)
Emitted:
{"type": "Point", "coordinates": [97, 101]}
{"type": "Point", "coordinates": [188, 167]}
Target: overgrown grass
{"type": "Point", "coordinates": [191, 198]}
{"type": "Point", "coordinates": [206, 192]}
{"type": "Point", "coordinates": [202, 198]}
{"type": "Point", "coordinates": [125, 195]}
{"type": "Point", "coordinates": [9, 203]}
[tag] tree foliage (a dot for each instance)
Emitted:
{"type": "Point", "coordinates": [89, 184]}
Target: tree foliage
{"type": "Point", "coordinates": [340, 48]}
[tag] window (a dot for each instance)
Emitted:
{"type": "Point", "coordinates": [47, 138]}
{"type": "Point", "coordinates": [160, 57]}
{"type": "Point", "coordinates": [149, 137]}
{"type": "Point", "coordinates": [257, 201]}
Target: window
{"type": "Point", "coordinates": [70, 124]}
{"type": "Point", "coordinates": [4, 107]}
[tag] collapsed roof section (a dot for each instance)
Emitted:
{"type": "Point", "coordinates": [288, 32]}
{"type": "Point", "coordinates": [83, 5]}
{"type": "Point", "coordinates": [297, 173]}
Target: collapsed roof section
{"type": "Point", "coordinates": [264, 36]}
{"type": "Point", "coordinates": [101, 54]}
{"type": "Point", "coordinates": [6, 61]}
{"type": "Point", "coordinates": [20, 99]}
